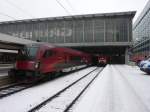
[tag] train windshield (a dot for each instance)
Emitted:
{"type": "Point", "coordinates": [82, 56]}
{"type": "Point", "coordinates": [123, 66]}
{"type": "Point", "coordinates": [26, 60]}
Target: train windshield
{"type": "Point", "coordinates": [31, 51]}
{"type": "Point", "coordinates": [27, 53]}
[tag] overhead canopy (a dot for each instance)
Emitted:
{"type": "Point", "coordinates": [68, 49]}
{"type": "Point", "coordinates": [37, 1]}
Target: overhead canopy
{"type": "Point", "coordinates": [11, 42]}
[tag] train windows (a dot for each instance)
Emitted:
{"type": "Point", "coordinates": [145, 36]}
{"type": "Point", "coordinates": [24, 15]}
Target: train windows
{"type": "Point", "coordinates": [32, 51]}
{"type": "Point", "coordinates": [48, 53]}
{"type": "Point", "coordinates": [27, 53]}
{"type": "Point", "coordinates": [75, 58]}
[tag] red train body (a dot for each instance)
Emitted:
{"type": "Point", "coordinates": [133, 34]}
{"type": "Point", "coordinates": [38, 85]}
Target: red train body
{"type": "Point", "coordinates": [102, 60]}
{"type": "Point", "coordinates": [42, 59]}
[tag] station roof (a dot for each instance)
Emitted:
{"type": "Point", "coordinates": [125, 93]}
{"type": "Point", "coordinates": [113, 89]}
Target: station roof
{"type": "Point", "coordinates": [129, 14]}
{"type": "Point", "coordinates": [11, 42]}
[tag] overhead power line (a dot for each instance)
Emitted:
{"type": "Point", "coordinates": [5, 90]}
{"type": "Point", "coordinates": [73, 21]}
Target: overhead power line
{"type": "Point", "coordinates": [72, 8]}
{"type": "Point", "coordinates": [6, 15]}
{"type": "Point", "coordinates": [63, 7]}
{"type": "Point", "coordinates": [19, 8]}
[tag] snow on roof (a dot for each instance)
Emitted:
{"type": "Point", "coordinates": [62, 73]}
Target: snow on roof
{"type": "Point", "coordinates": [112, 14]}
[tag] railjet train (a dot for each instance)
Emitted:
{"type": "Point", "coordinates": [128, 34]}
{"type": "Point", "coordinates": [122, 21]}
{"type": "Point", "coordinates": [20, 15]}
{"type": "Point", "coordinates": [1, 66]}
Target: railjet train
{"type": "Point", "coordinates": [38, 60]}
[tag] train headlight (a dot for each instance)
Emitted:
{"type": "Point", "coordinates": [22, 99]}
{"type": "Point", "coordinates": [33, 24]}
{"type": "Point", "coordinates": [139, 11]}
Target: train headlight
{"type": "Point", "coordinates": [37, 65]}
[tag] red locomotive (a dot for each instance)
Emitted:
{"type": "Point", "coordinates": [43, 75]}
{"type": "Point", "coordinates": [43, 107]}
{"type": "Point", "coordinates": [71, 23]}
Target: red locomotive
{"type": "Point", "coordinates": [102, 60]}
{"type": "Point", "coordinates": [44, 60]}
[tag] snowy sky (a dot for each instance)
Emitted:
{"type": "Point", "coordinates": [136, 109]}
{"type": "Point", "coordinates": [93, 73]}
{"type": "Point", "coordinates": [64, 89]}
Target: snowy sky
{"type": "Point", "coordinates": [27, 9]}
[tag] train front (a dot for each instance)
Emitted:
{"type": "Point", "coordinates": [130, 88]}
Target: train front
{"type": "Point", "coordinates": [26, 65]}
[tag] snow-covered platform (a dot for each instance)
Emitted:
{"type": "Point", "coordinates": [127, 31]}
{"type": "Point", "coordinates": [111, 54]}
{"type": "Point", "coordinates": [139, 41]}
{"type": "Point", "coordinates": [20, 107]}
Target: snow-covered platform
{"type": "Point", "coordinates": [119, 88]}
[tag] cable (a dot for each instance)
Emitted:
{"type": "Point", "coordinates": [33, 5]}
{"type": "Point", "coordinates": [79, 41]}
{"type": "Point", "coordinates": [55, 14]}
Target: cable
{"type": "Point", "coordinates": [63, 7]}
{"type": "Point", "coordinates": [19, 8]}
{"type": "Point", "coordinates": [70, 5]}
{"type": "Point", "coordinates": [7, 16]}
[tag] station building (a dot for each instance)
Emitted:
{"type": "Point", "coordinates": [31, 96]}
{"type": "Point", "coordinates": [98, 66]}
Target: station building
{"type": "Point", "coordinates": [99, 34]}
{"type": "Point", "coordinates": [141, 34]}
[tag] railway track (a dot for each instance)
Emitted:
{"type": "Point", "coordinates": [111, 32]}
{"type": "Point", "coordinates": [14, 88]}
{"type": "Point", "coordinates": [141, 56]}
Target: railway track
{"type": "Point", "coordinates": [57, 101]}
{"type": "Point", "coordinates": [4, 80]}
{"type": "Point", "coordinates": [13, 88]}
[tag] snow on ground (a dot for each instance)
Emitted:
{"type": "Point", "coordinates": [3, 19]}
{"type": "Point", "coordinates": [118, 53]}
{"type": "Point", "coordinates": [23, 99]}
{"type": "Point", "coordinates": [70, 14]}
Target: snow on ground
{"type": "Point", "coordinates": [119, 88]}
{"type": "Point", "coordinates": [60, 103]}
{"type": "Point", "coordinates": [139, 82]}
{"type": "Point", "coordinates": [27, 99]}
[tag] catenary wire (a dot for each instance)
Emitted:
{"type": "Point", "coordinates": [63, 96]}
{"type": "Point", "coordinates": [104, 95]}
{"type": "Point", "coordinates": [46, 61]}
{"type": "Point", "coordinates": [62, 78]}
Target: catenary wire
{"type": "Point", "coordinates": [19, 8]}
{"type": "Point", "coordinates": [6, 15]}
{"type": "Point", "coordinates": [68, 2]}
{"type": "Point", "coordinates": [63, 8]}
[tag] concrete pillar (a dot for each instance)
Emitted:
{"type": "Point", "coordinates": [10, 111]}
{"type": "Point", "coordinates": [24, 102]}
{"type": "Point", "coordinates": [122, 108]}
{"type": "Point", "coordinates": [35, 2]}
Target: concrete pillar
{"type": "Point", "coordinates": [126, 55]}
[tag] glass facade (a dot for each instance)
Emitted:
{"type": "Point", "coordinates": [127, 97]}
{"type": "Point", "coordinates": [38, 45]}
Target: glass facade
{"type": "Point", "coordinates": [73, 30]}
{"type": "Point", "coordinates": [141, 33]}
{"type": "Point", "coordinates": [142, 49]}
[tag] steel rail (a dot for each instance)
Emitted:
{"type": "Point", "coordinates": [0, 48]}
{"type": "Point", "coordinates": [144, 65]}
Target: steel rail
{"type": "Point", "coordinates": [37, 107]}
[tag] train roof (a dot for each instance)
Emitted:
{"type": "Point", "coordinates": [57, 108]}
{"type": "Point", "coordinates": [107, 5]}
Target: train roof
{"type": "Point", "coordinates": [58, 48]}
{"type": "Point", "coordinates": [41, 44]}
{"type": "Point", "coordinates": [70, 50]}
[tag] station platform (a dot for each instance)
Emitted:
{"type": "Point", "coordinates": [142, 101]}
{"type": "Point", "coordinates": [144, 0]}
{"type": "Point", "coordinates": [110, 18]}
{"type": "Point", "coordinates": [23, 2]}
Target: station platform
{"type": "Point", "coordinates": [118, 88]}
{"type": "Point", "coordinates": [4, 69]}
